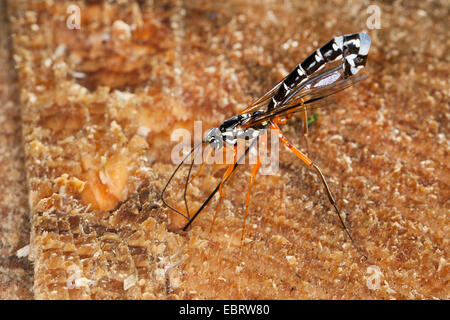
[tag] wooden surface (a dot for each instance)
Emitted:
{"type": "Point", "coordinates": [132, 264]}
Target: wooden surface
{"type": "Point", "coordinates": [99, 105]}
{"type": "Point", "coordinates": [16, 273]}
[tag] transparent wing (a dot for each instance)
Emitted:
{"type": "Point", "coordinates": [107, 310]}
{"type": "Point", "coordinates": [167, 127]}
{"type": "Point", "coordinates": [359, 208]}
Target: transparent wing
{"type": "Point", "coordinates": [316, 94]}
{"type": "Point", "coordinates": [324, 78]}
{"type": "Point", "coordinates": [262, 100]}
{"type": "Point", "coordinates": [323, 89]}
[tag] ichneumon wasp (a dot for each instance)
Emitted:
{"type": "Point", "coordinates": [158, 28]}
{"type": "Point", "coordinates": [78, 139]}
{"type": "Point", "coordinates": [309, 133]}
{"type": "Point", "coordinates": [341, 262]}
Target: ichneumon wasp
{"type": "Point", "coordinates": [328, 70]}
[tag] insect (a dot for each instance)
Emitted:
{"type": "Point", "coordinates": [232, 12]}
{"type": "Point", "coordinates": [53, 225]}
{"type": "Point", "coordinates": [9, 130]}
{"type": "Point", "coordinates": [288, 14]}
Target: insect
{"type": "Point", "coordinates": [328, 70]}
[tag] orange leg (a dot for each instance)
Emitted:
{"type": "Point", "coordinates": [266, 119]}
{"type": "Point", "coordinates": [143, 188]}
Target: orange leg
{"type": "Point", "coordinates": [247, 200]}
{"type": "Point", "coordinates": [224, 178]}
{"type": "Point", "coordinates": [275, 129]}
{"type": "Point", "coordinates": [229, 173]}
{"type": "Point", "coordinates": [278, 120]}
{"type": "Point", "coordinates": [311, 164]}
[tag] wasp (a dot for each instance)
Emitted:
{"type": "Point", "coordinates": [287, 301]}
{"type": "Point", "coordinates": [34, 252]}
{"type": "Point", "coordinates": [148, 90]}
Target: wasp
{"type": "Point", "coordinates": [330, 69]}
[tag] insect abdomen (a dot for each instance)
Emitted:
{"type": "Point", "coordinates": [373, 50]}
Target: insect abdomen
{"type": "Point", "coordinates": [351, 48]}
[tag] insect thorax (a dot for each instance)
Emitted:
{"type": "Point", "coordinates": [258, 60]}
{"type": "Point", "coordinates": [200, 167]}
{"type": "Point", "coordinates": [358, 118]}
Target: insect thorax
{"type": "Point", "coordinates": [230, 131]}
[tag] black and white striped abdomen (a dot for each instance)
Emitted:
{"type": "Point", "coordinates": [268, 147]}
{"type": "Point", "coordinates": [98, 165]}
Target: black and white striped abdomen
{"type": "Point", "coordinates": [352, 49]}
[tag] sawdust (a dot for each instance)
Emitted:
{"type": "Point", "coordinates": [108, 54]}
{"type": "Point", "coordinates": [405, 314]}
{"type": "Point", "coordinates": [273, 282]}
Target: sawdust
{"type": "Point", "coordinates": [113, 92]}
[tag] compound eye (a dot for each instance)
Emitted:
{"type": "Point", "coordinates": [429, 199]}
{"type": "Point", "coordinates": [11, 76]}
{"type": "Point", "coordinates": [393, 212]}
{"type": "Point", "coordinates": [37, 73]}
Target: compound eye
{"type": "Point", "coordinates": [216, 144]}
{"type": "Point", "coordinates": [215, 139]}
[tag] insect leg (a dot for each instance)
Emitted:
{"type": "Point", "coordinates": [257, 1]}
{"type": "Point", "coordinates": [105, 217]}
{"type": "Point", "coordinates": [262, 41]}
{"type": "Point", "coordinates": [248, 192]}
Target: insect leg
{"type": "Point", "coordinates": [211, 195]}
{"type": "Point", "coordinates": [305, 125]}
{"type": "Point", "coordinates": [170, 179]}
{"type": "Point", "coordinates": [284, 119]}
{"type": "Point", "coordinates": [187, 184]}
{"type": "Point", "coordinates": [202, 165]}
{"type": "Point", "coordinates": [225, 176]}
{"type": "Point", "coordinates": [247, 200]}
{"type": "Point", "coordinates": [311, 164]}
{"type": "Point", "coordinates": [229, 172]}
